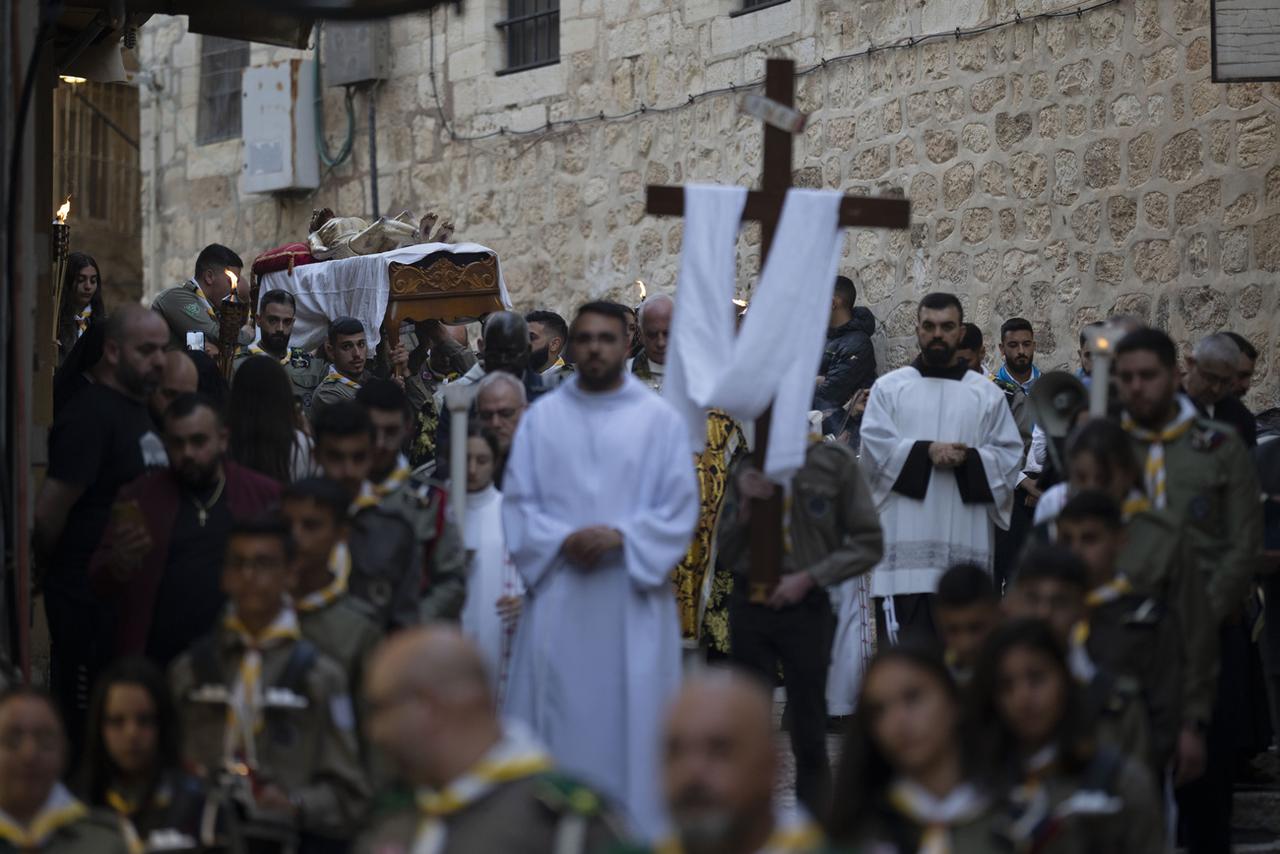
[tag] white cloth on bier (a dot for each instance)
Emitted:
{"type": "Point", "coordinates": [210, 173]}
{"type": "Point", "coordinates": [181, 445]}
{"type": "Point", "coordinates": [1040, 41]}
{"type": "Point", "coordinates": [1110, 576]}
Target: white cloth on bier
{"type": "Point", "coordinates": [354, 287]}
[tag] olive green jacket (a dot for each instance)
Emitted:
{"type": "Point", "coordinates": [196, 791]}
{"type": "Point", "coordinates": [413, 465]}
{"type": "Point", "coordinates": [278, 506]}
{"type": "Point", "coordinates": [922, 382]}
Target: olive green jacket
{"type": "Point", "coordinates": [184, 311]}
{"type": "Point", "coordinates": [1213, 493]}
{"type": "Point", "coordinates": [834, 532]}
{"type": "Point", "coordinates": [98, 832]}
{"type": "Point", "coordinates": [308, 743]}
{"type": "Point", "coordinates": [547, 813]}
{"type": "Point", "coordinates": [423, 503]}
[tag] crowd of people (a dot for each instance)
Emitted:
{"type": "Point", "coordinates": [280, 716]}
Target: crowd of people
{"type": "Point", "coordinates": [278, 621]}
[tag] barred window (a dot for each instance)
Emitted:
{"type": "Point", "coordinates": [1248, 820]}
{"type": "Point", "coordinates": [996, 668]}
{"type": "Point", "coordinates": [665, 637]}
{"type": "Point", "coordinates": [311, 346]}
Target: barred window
{"type": "Point", "coordinates": [222, 65]}
{"type": "Point", "coordinates": [532, 29]}
{"type": "Point", "coordinates": [753, 5]}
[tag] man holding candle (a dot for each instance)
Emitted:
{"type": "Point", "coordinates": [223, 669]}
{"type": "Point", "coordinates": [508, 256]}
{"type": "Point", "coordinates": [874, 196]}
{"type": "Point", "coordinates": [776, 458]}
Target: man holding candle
{"type": "Point", "coordinates": [193, 305]}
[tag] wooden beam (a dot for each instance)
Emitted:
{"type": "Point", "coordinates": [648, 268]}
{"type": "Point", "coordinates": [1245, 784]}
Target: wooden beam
{"type": "Point", "coordinates": [855, 211]}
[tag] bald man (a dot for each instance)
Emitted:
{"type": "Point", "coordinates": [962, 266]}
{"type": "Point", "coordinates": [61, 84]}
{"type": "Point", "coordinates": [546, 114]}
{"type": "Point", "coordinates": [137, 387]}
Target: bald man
{"type": "Point", "coordinates": [102, 438]}
{"type": "Point", "coordinates": [720, 771]}
{"type": "Point", "coordinates": [180, 377]}
{"type": "Point", "coordinates": [483, 785]}
{"type": "Point", "coordinates": [655, 329]}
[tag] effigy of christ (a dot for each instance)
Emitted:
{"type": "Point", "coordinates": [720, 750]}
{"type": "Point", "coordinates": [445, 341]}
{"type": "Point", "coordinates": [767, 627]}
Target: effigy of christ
{"type": "Point", "coordinates": [709, 364]}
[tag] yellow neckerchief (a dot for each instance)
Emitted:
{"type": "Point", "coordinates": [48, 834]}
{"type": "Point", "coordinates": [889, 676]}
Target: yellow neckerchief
{"type": "Point", "coordinates": [1041, 763]}
{"type": "Point", "coordinates": [393, 481]}
{"type": "Point", "coordinates": [82, 319]}
{"type": "Point", "coordinates": [340, 566]}
{"type": "Point", "coordinates": [516, 756]}
{"type": "Point", "coordinates": [1135, 503]}
{"type": "Point", "coordinates": [205, 301]}
{"type": "Point", "coordinates": [341, 378]}
{"type": "Point", "coordinates": [244, 710]}
{"type": "Point", "coordinates": [1078, 658]}
{"type": "Point", "coordinates": [1157, 439]}
{"type": "Point", "coordinates": [125, 810]}
{"type": "Point", "coordinates": [256, 350]}
{"type": "Point", "coordinates": [367, 498]}
{"type": "Point", "coordinates": [1109, 592]}
{"type": "Point", "coordinates": [59, 810]}
{"type": "Point", "coordinates": [793, 831]}
{"type": "Point", "coordinates": [936, 815]}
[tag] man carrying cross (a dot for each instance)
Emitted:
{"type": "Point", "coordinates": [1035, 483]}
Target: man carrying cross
{"type": "Point", "coordinates": [942, 455]}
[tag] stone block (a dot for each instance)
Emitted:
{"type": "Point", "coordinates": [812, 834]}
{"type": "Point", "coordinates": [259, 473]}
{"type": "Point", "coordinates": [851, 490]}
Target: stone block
{"type": "Point", "coordinates": [1266, 243]}
{"type": "Point", "coordinates": [1191, 206]}
{"type": "Point", "coordinates": [1039, 221]}
{"type": "Point", "coordinates": [1050, 121]}
{"type": "Point", "coordinates": [957, 185]}
{"type": "Point", "coordinates": [1160, 65]}
{"type": "Point", "coordinates": [1102, 163]}
{"type": "Point", "coordinates": [1077, 119]}
{"type": "Point", "coordinates": [1240, 210]}
{"type": "Point", "coordinates": [985, 95]}
{"type": "Point", "coordinates": [1155, 261]}
{"type": "Point", "coordinates": [871, 163]}
{"type": "Point", "coordinates": [1242, 96]}
{"type": "Point", "coordinates": [1205, 97]}
{"type": "Point", "coordinates": [1066, 177]}
{"type": "Point", "coordinates": [993, 180]}
{"type": "Point", "coordinates": [940, 146]}
{"type": "Point", "coordinates": [1249, 302]}
{"type": "Point", "coordinates": [1127, 110]}
{"type": "Point", "coordinates": [1076, 78]}
{"type": "Point", "coordinates": [1256, 141]}
{"type": "Point", "coordinates": [1086, 222]}
{"type": "Point", "coordinates": [1234, 247]}
{"type": "Point", "coordinates": [975, 138]}
{"type": "Point", "coordinates": [924, 193]}
{"type": "Point", "coordinates": [1273, 186]}
{"type": "Point", "coordinates": [1203, 309]}
{"type": "Point", "coordinates": [1182, 156]}
{"type": "Point", "coordinates": [976, 224]}
{"type": "Point", "coordinates": [1011, 130]}
{"type": "Point", "coordinates": [945, 228]}
{"type": "Point", "coordinates": [1030, 175]}
{"type": "Point", "coordinates": [1155, 209]}
{"type": "Point", "coordinates": [1108, 268]}
{"type": "Point", "coordinates": [1122, 217]}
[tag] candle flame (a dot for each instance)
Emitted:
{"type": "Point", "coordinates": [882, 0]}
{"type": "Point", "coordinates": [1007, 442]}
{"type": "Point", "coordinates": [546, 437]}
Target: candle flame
{"type": "Point", "coordinates": [234, 279]}
{"type": "Point", "coordinates": [644, 292]}
{"type": "Point", "coordinates": [72, 79]}
{"type": "Point", "coordinates": [64, 211]}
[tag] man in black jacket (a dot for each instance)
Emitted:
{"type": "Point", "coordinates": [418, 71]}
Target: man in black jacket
{"type": "Point", "coordinates": [849, 362]}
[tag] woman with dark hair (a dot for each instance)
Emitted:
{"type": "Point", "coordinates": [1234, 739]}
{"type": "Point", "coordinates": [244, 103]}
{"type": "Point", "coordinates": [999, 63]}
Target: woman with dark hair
{"type": "Point", "coordinates": [210, 383]}
{"type": "Point", "coordinates": [903, 781]}
{"type": "Point", "coordinates": [265, 434]}
{"type": "Point", "coordinates": [81, 301]}
{"type": "Point", "coordinates": [1099, 456]}
{"type": "Point", "coordinates": [133, 765]}
{"type": "Point", "coordinates": [1037, 742]}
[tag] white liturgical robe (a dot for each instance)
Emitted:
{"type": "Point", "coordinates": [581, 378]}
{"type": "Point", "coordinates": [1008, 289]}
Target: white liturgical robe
{"type": "Point", "coordinates": [928, 524]}
{"type": "Point", "coordinates": [597, 653]}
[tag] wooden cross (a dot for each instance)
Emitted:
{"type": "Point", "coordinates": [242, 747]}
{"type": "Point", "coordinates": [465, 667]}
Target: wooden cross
{"type": "Point", "coordinates": [765, 206]}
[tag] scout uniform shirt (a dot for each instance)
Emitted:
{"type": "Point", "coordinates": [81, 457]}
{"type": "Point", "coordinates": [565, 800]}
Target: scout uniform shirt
{"type": "Point", "coordinates": [280, 707]}
{"type": "Point", "coordinates": [1200, 471]}
{"type": "Point", "coordinates": [63, 826]}
{"type": "Point", "coordinates": [176, 817]}
{"type": "Point", "coordinates": [423, 503]}
{"type": "Point", "coordinates": [338, 625]}
{"type": "Point", "coordinates": [1134, 636]}
{"type": "Point", "coordinates": [334, 388]}
{"type": "Point", "coordinates": [305, 370]}
{"type": "Point", "coordinates": [512, 801]}
{"type": "Point", "coordinates": [186, 309]}
{"type": "Point", "coordinates": [907, 818]}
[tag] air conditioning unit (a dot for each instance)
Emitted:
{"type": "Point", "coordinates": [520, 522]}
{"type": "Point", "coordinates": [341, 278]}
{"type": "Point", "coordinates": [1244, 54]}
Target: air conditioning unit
{"type": "Point", "coordinates": [279, 122]}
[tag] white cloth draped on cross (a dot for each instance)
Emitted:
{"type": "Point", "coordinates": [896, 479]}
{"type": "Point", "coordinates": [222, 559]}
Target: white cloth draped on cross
{"type": "Point", "coordinates": [775, 356]}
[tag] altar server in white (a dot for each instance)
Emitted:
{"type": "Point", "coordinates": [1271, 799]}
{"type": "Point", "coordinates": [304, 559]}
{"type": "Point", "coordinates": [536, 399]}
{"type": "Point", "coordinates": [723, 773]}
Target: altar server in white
{"type": "Point", "coordinates": [600, 504]}
{"type": "Point", "coordinates": [942, 455]}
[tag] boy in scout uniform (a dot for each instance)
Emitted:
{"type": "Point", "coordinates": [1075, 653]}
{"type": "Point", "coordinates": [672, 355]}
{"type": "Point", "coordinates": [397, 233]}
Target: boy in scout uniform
{"type": "Point", "coordinates": [1129, 633]}
{"type": "Point", "coordinates": [833, 534]}
{"type": "Point", "coordinates": [385, 565]}
{"type": "Point", "coordinates": [265, 712]}
{"type": "Point", "coordinates": [348, 353]}
{"type": "Point", "coordinates": [482, 784]}
{"type": "Point", "coordinates": [37, 813]}
{"type": "Point", "coordinates": [276, 317]}
{"type": "Point", "coordinates": [1201, 473]}
{"type": "Point", "coordinates": [193, 305]}
{"type": "Point", "coordinates": [420, 500]}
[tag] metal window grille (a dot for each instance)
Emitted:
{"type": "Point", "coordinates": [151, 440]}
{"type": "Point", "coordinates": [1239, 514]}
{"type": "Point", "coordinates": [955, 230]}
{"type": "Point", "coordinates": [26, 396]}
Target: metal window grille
{"type": "Point", "coordinates": [532, 29]}
{"type": "Point", "coordinates": [95, 127]}
{"type": "Point", "coordinates": [752, 5]}
{"type": "Point", "coordinates": [222, 64]}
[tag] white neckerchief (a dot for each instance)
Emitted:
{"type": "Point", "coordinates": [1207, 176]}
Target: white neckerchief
{"type": "Point", "coordinates": [82, 320]}
{"type": "Point", "coordinates": [517, 755]}
{"type": "Point", "coordinates": [204, 300]}
{"type": "Point", "coordinates": [936, 815]}
{"type": "Point", "coordinates": [340, 568]}
{"type": "Point", "coordinates": [244, 709]}
{"type": "Point", "coordinates": [367, 497]}
{"type": "Point", "coordinates": [1157, 439]}
{"type": "Point", "coordinates": [59, 810]}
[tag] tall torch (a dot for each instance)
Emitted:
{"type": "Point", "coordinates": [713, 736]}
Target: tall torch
{"type": "Point", "coordinates": [231, 317]}
{"type": "Point", "coordinates": [458, 399]}
{"type": "Point", "coordinates": [59, 249]}
{"type": "Point", "coordinates": [1101, 344]}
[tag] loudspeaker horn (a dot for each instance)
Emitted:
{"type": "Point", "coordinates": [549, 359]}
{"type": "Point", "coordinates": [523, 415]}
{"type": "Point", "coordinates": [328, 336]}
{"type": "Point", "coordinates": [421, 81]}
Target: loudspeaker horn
{"type": "Point", "coordinates": [1056, 400]}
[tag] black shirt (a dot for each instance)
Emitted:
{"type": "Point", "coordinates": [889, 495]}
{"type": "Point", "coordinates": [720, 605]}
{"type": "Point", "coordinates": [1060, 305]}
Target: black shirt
{"type": "Point", "coordinates": [101, 440]}
{"type": "Point", "coordinates": [190, 597]}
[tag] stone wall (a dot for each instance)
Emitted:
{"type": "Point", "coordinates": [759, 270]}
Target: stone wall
{"type": "Point", "coordinates": [1060, 170]}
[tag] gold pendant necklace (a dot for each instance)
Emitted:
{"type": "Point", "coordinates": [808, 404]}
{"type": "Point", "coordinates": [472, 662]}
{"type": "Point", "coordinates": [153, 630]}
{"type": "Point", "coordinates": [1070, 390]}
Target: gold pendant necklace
{"type": "Point", "coordinates": [203, 508]}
